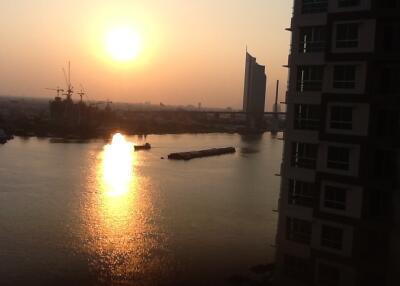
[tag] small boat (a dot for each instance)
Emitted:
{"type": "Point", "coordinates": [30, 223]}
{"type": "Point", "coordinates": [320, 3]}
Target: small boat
{"type": "Point", "coordinates": [146, 146]}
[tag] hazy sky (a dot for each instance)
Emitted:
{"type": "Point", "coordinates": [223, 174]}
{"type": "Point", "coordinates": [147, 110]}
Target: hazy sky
{"type": "Point", "coordinates": [192, 50]}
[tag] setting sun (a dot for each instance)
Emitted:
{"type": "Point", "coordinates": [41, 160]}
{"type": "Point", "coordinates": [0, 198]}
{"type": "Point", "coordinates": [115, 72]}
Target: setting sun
{"type": "Point", "coordinates": [123, 43]}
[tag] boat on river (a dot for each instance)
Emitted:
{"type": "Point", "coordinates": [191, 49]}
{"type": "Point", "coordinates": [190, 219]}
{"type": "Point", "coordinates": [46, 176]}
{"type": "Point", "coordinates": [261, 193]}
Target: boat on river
{"type": "Point", "coordinates": [202, 153]}
{"type": "Point", "coordinates": [146, 146]}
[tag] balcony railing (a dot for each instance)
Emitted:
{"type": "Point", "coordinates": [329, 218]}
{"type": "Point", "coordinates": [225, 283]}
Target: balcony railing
{"type": "Point", "coordinates": [304, 162]}
{"type": "Point", "coordinates": [309, 85]}
{"type": "Point", "coordinates": [312, 47]}
{"type": "Point", "coordinates": [311, 7]}
{"type": "Point", "coordinates": [306, 123]}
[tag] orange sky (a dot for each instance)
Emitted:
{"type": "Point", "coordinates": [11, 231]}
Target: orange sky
{"type": "Point", "coordinates": [192, 51]}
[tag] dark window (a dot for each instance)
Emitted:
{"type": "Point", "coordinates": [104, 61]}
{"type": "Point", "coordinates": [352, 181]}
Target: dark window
{"type": "Point", "coordinates": [390, 79]}
{"type": "Point", "coordinates": [297, 268]}
{"type": "Point", "coordinates": [389, 4]}
{"type": "Point", "coordinates": [347, 35]}
{"type": "Point", "coordinates": [304, 155]}
{"type": "Point", "coordinates": [385, 164]}
{"type": "Point", "coordinates": [380, 203]}
{"type": "Point", "coordinates": [309, 78]}
{"type": "Point", "coordinates": [348, 3]}
{"type": "Point", "coordinates": [301, 193]}
{"type": "Point", "coordinates": [298, 230]}
{"type": "Point", "coordinates": [312, 39]}
{"type": "Point", "coordinates": [388, 123]}
{"type": "Point", "coordinates": [372, 279]}
{"type": "Point", "coordinates": [314, 6]}
{"type": "Point", "coordinates": [335, 198]}
{"type": "Point", "coordinates": [307, 116]}
{"type": "Point", "coordinates": [344, 77]}
{"type": "Point", "coordinates": [341, 117]}
{"type": "Point", "coordinates": [391, 37]}
{"type": "Point", "coordinates": [328, 275]}
{"type": "Point", "coordinates": [331, 237]}
{"type": "Point", "coordinates": [338, 158]}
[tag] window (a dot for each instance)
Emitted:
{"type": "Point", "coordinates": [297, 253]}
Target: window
{"type": "Point", "coordinates": [380, 203]}
{"type": "Point", "coordinates": [307, 116]}
{"type": "Point", "coordinates": [344, 77]}
{"type": "Point", "coordinates": [347, 35]}
{"type": "Point", "coordinates": [312, 39]}
{"type": "Point", "coordinates": [309, 78]}
{"type": "Point", "coordinates": [304, 155]}
{"type": "Point", "coordinates": [297, 268]}
{"type": "Point", "coordinates": [388, 123]}
{"type": "Point", "coordinates": [390, 79]}
{"type": "Point", "coordinates": [341, 117]}
{"type": "Point", "coordinates": [348, 3]}
{"type": "Point", "coordinates": [331, 237]}
{"type": "Point", "coordinates": [314, 6]}
{"type": "Point", "coordinates": [328, 275]}
{"type": "Point", "coordinates": [338, 158]}
{"type": "Point", "coordinates": [385, 164]}
{"type": "Point", "coordinates": [391, 37]}
{"type": "Point", "coordinates": [389, 4]}
{"type": "Point", "coordinates": [335, 198]}
{"type": "Point", "coordinates": [298, 230]}
{"type": "Point", "coordinates": [301, 193]}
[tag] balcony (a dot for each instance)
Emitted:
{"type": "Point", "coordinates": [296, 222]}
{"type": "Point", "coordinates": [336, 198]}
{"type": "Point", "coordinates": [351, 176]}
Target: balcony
{"type": "Point", "coordinates": [314, 6]}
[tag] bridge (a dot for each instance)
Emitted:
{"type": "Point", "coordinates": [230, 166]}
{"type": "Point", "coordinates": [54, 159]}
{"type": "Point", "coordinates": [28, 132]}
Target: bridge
{"type": "Point", "coordinates": [198, 112]}
{"type": "Point", "coordinates": [213, 117]}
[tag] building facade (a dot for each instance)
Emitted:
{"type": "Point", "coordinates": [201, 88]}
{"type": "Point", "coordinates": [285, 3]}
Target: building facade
{"type": "Point", "coordinates": [255, 82]}
{"type": "Point", "coordinates": [339, 208]}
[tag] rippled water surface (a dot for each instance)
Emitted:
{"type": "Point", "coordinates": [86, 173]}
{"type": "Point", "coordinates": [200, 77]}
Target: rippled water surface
{"type": "Point", "coordinates": [99, 213]}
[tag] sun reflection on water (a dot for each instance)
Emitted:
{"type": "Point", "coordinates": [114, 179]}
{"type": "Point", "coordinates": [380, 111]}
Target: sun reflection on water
{"type": "Point", "coordinates": [118, 166]}
{"type": "Point", "coordinates": [121, 237]}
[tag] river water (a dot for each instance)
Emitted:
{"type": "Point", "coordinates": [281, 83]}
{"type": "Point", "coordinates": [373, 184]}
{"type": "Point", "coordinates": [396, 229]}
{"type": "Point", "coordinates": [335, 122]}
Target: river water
{"type": "Point", "coordinates": [98, 213]}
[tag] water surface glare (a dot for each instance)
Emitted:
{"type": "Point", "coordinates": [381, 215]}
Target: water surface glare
{"type": "Point", "coordinates": [99, 213]}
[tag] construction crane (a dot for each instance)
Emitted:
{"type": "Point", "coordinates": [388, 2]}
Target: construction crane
{"type": "Point", "coordinates": [58, 89]}
{"type": "Point", "coordinates": [81, 93]}
{"type": "Point", "coordinates": [67, 77]}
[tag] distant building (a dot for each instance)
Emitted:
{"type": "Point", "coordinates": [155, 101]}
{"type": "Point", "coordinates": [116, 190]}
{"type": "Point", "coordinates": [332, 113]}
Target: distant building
{"type": "Point", "coordinates": [339, 206]}
{"type": "Point", "coordinates": [254, 89]}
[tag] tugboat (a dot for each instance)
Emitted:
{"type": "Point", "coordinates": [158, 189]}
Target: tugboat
{"type": "Point", "coordinates": [146, 146]}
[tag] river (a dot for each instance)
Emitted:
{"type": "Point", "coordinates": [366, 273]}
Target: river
{"type": "Point", "coordinates": [98, 213]}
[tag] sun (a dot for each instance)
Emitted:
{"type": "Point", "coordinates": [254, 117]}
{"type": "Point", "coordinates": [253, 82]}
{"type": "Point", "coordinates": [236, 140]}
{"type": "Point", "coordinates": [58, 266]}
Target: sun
{"type": "Point", "coordinates": [123, 43]}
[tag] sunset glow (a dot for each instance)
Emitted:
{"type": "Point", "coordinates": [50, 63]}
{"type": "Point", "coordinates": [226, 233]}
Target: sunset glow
{"type": "Point", "coordinates": [123, 44]}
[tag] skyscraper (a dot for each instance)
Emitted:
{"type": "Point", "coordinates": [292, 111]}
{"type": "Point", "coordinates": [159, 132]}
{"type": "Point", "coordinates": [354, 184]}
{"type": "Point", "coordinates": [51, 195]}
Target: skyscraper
{"type": "Point", "coordinates": [254, 90]}
{"type": "Point", "coordinates": [339, 208]}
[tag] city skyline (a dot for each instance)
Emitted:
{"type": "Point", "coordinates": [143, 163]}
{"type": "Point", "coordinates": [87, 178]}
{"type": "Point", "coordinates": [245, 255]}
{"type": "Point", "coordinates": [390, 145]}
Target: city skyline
{"type": "Point", "coordinates": [182, 59]}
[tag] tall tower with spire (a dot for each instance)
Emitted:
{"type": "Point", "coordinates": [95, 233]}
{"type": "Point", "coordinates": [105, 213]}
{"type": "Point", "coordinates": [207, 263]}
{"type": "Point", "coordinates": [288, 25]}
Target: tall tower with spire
{"type": "Point", "coordinates": [255, 82]}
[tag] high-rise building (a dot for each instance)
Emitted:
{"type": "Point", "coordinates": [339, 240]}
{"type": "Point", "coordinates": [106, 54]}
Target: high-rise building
{"type": "Point", "coordinates": [339, 207]}
{"type": "Point", "coordinates": [254, 90]}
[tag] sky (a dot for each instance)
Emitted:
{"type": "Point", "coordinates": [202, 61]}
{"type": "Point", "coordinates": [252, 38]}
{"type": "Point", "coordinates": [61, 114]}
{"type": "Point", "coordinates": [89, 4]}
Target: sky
{"type": "Point", "coordinates": [190, 51]}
